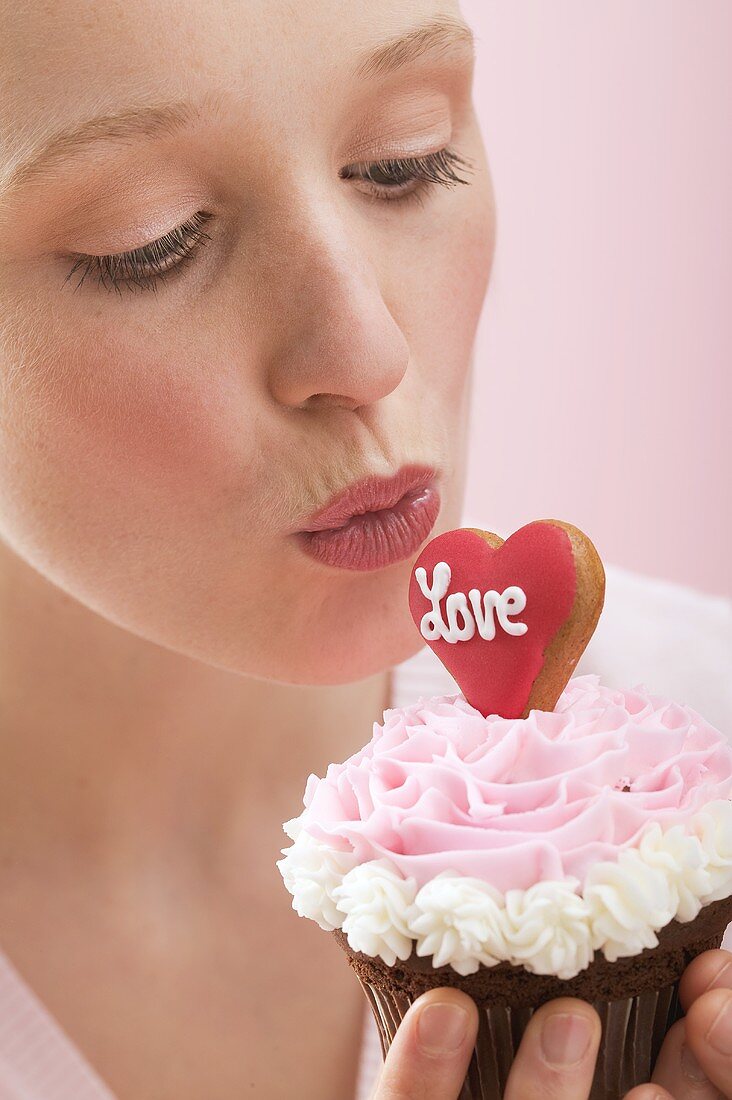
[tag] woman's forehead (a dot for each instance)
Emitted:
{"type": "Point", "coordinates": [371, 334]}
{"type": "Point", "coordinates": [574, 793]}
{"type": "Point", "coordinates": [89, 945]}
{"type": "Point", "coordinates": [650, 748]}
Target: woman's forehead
{"type": "Point", "coordinates": [151, 66]}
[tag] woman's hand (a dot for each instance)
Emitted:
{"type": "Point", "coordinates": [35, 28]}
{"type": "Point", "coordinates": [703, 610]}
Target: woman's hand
{"type": "Point", "coordinates": [556, 1058]}
{"type": "Point", "coordinates": [695, 1061]}
{"type": "Point", "coordinates": [430, 1054]}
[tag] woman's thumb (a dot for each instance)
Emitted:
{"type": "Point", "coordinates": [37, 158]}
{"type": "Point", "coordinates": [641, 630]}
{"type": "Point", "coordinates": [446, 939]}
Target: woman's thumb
{"type": "Point", "coordinates": [431, 1051]}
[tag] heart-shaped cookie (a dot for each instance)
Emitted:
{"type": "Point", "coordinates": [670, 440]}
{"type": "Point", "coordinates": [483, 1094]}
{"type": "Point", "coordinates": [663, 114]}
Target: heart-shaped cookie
{"type": "Point", "coordinates": [509, 620]}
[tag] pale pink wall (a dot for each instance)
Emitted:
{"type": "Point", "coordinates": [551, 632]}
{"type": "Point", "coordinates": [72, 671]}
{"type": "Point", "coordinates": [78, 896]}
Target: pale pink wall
{"type": "Point", "coordinates": [605, 348]}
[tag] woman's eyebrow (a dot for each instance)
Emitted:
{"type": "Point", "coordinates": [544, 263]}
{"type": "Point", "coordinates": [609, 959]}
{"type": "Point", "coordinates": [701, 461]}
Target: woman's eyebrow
{"type": "Point", "coordinates": [151, 120]}
{"type": "Point", "coordinates": [443, 35]}
{"type": "Point", "coordinates": [440, 36]}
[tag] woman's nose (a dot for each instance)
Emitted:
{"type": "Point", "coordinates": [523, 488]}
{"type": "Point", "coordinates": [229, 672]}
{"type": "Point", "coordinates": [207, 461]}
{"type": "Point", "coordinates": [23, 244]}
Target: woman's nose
{"type": "Point", "coordinates": [338, 343]}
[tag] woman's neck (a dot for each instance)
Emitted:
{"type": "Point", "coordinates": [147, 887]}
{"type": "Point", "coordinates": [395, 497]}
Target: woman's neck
{"type": "Point", "coordinates": [115, 749]}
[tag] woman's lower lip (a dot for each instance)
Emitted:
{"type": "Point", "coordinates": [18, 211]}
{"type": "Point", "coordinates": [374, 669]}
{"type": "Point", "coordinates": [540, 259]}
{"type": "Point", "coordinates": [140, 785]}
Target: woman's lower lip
{"type": "Point", "coordinates": [374, 540]}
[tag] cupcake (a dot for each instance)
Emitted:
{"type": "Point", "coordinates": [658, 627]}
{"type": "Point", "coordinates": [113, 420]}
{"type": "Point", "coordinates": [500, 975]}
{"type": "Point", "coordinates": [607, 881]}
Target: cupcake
{"type": "Point", "coordinates": [530, 837]}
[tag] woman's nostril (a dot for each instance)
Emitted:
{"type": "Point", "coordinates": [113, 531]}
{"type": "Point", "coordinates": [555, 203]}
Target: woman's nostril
{"type": "Point", "coordinates": [334, 400]}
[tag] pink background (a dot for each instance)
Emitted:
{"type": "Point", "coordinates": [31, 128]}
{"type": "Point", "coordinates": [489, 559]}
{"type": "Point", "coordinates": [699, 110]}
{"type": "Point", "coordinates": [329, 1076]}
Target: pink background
{"type": "Point", "coordinates": [603, 357]}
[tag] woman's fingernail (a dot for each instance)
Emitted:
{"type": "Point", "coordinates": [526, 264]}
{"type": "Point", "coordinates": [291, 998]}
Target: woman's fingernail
{"type": "Point", "coordinates": [565, 1038]}
{"type": "Point", "coordinates": [722, 980]}
{"type": "Point", "coordinates": [719, 1035]}
{"type": "Point", "coordinates": [441, 1027]}
{"type": "Point", "coordinates": [691, 1067]}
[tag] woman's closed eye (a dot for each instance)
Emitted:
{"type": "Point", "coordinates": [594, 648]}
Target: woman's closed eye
{"type": "Point", "coordinates": [143, 266]}
{"type": "Point", "coordinates": [400, 180]}
{"type": "Point", "coordinates": [405, 178]}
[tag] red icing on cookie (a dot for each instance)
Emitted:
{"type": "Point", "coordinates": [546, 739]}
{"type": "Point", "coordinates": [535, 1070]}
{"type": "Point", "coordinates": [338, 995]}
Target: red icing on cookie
{"type": "Point", "coordinates": [496, 675]}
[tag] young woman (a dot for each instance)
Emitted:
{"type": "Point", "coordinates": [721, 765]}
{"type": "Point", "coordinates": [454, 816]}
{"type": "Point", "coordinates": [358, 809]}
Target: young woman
{"type": "Point", "coordinates": [244, 249]}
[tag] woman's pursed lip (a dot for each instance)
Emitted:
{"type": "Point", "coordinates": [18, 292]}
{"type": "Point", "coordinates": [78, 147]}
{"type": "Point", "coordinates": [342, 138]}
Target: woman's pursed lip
{"type": "Point", "coordinates": [371, 494]}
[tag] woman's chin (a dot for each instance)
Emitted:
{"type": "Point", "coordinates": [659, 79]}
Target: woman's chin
{"type": "Point", "coordinates": [341, 658]}
{"type": "Point", "coordinates": [368, 664]}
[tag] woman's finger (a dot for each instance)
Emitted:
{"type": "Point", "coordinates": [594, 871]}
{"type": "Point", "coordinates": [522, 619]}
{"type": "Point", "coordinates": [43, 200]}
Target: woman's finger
{"type": "Point", "coordinates": [710, 970]}
{"type": "Point", "coordinates": [648, 1092]}
{"type": "Point", "coordinates": [678, 1070]}
{"type": "Point", "coordinates": [556, 1057]}
{"type": "Point", "coordinates": [430, 1054]}
{"type": "Point", "coordinates": [709, 1036]}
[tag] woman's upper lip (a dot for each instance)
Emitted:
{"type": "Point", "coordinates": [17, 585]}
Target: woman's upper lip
{"type": "Point", "coordinates": [370, 494]}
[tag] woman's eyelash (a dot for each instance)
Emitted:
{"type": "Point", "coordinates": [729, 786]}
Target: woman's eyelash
{"type": "Point", "coordinates": [393, 177]}
{"type": "Point", "coordinates": [402, 179]}
{"type": "Point", "coordinates": [143, 266]}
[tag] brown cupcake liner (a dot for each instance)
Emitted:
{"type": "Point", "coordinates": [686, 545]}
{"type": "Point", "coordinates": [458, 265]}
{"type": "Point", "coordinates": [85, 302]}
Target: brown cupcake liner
{"type": "Point", "coordinates": [632, 1032]}
{"type": "Point", "coordinates": [637, 999]}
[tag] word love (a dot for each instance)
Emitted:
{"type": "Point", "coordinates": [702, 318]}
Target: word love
{"type": "Point", "coordinates": [481, 614]}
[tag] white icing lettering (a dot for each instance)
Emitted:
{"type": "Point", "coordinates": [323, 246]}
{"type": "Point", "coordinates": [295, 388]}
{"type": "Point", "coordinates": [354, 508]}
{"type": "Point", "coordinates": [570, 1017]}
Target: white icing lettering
{"type": "Point", "coordinates": [455, 605]}
{"type": "Point", "coordinates": [486, 610]}
{"type": "Point", "coordinates": [432, 626]}
{"type": "Point", "coordinates": [512, 602]}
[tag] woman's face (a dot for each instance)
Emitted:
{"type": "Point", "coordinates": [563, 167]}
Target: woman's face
{"type": "Point", "coordinates": [172, 419]}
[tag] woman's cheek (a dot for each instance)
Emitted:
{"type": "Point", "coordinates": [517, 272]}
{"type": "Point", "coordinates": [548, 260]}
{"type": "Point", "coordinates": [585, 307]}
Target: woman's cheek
{"type": "Point", "coordinates": [450, 291]}
{"type": "Point", "coordinates": [115, 446]}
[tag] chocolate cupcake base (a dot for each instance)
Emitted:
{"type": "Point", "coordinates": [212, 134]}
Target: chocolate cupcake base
{"type": "Point", "coordinates": [635, 997]}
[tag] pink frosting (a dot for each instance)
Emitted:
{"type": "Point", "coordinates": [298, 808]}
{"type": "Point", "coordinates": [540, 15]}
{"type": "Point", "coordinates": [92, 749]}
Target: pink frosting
{"type": "Point", "coordinates": [514, 801]}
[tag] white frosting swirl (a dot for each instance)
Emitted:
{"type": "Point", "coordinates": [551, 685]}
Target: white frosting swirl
{"type": "Point", "coordinates": [714, 827]}
{"type": "Point", "coordinates": [311, 872]}
{"type": "Point", "coordinates": [681, 858]}
{"type": "Point", "coordinates": [548, 929]}
{"type": "Point", "coordinates": [628, 901]}
{"type": "Point", "coordinates": [459, 920]}
{"type": "Point", "coordinates": [376, 901]}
